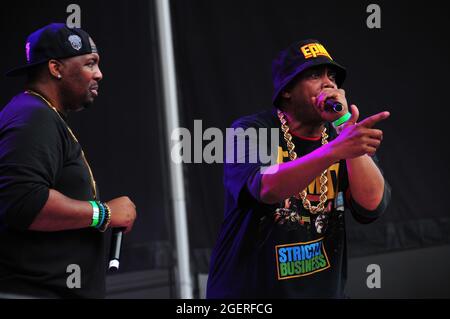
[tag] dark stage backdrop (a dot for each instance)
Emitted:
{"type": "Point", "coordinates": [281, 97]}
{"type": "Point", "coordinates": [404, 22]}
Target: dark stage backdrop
{"type": "Point", "coordinates": [224, 50]}
{"type": "Point", "coordinates": [121, 132]}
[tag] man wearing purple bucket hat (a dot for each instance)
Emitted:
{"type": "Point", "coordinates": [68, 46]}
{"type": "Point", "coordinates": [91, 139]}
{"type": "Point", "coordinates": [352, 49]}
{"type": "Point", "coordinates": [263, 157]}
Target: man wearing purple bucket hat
{"type": "Point", "coordinates": [283, 234]}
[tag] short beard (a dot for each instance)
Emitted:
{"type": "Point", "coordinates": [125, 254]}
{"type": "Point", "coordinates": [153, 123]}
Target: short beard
{"type": "Point", "coordinates": [87, 105]}
{"type": "Point", "coordinates": [79, 106]}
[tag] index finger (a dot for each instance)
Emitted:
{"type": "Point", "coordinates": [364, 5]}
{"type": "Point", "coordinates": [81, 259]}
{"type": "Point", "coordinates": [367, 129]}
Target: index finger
{"type": "Point", "coordinates": [372, 120]}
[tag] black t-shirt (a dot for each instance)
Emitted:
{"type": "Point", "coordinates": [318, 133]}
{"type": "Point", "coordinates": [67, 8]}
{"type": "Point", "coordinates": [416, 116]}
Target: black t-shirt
{"type": "Point", "coordinates": [37, 153]}
{"type": "Point", "coordinates": [281, 251]}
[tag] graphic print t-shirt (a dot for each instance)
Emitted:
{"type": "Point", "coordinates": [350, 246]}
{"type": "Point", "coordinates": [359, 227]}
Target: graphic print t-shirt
{"type": "Point", "coordinates": [282, 251]}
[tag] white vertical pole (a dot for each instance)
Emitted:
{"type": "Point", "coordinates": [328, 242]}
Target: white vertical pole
{"type": "Point", "coordinates": [184, 279]}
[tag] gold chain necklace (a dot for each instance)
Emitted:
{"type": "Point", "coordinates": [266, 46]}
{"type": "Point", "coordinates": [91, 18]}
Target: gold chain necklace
{"type": "Point", "coordinates": [93, 184]}
{"type": "Point", "coordinates": [293, 155]}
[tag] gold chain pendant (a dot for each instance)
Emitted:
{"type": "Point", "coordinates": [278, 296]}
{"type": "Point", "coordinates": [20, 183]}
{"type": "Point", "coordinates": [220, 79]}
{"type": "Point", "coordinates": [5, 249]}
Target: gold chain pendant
{"type": "Point", "coordinates": [293, 155]}
{"type": "Point", "coordinates": [93, 184]}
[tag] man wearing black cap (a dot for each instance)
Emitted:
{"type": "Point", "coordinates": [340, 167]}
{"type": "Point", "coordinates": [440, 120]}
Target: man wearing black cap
{"type": "Point", "coordinates": [52, 224]}
{"type": "Point", "coordinates": [283, 234]}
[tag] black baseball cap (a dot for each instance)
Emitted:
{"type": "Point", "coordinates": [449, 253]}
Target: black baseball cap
{"type": "Point", "coordinates": [54, 41]}
{"type": "Point", "coordinates": [298, 57]}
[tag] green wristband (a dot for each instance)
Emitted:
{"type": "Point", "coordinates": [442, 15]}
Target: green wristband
{"type": "Point", "coordinates": [344, 118]}
{"type": "Point", "coordinates": [95, 214]}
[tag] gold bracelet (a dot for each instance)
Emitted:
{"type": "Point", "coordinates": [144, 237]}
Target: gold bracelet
{"type": "Point", "coordinates": [105, 225]}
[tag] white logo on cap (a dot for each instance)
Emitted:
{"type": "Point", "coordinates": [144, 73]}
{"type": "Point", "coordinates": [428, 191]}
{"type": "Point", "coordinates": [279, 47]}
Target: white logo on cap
{"type": "Point", "coordinates": [75, 41]}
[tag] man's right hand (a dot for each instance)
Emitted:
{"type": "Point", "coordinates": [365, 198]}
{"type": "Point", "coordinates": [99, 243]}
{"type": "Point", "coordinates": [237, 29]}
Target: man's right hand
{"type": "Point", "coordinates": [123, 213]}
{"type": "Point", "coordinates": [357, 139]}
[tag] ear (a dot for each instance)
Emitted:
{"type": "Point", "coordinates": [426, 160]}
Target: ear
{"type": "Point", "coordinates": [55, 67]}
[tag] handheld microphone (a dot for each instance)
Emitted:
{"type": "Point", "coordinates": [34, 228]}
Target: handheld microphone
{"type": "Point", "coordinates": [334, 106]}
{"type": "Point", "coordinates": [116, 245]}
